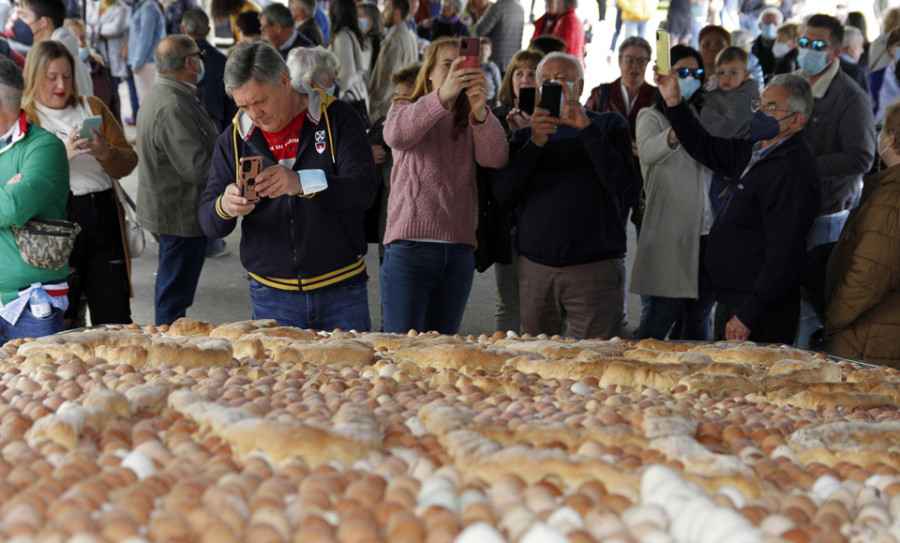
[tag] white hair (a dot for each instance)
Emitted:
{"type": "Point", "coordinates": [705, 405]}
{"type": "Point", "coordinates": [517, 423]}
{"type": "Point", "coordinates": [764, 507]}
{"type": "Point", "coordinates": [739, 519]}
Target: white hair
{"type": "Point", "coordinates": [310, 63]}
{"type": "Point", "coordinates": [771, 10]}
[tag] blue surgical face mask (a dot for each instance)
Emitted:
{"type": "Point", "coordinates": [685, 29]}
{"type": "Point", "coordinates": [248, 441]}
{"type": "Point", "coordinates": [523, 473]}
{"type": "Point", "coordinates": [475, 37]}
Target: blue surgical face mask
{"type": "Point", "coordinates": [331, 90]}
{"type": "Point", "coordinates": [688, 86]}
{"type": "Point", "coordinates": [769, 31]}
{"type": "Point", "coordinates": [812, 62]}
{"type": "Point", "coordinates": [897, 53]}
{"type": "Point", "coordinates": [364, 25]}
{"type": "Point", "coordinates": [83, 54]}
{"type": "Point", "coordinates": [764, 127]}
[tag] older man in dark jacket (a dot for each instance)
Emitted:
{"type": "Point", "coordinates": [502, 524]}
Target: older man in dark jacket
{"type": "Point", "coordinates": [757, 245]}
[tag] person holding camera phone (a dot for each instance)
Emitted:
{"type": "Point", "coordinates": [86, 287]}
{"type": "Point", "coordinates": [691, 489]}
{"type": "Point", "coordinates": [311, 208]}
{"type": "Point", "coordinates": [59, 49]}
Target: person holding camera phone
{"type": "Point", "coordinates": [99, 266]}
{"type": "Point", "coordinates": [437, 136]}
{"type": "Point", "coordinates": [567, 174]}
{"type": "Point", "coordinates": [303, 242]}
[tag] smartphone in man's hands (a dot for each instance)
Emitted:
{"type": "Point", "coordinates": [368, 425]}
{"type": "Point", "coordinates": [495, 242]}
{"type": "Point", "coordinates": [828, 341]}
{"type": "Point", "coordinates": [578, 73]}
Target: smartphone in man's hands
{"type": "Point", "coordinates": [251, 167]}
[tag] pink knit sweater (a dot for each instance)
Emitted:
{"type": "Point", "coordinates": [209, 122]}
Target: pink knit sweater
{"type": "Point", "coordinates": [433, 192]}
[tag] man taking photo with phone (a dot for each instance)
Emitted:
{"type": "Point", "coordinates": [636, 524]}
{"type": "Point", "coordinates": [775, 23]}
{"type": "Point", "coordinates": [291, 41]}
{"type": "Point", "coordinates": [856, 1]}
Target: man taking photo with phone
{"type": "Point", "coordinates": [567, 175]}
{"type": "Point", "coordinates": [304, 241]}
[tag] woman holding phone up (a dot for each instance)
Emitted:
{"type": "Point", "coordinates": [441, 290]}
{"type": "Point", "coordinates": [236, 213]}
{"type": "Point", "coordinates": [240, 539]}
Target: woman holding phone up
{"type": "Point", "coordinates": [99, 263]}
{"type": "Point", "coordinates": [437, 136]}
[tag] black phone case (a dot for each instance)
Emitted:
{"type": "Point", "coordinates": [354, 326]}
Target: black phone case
{"type": "Point", "coordinates": [526, 99]}
{"type": "Point", "coordinates": [550, 98]}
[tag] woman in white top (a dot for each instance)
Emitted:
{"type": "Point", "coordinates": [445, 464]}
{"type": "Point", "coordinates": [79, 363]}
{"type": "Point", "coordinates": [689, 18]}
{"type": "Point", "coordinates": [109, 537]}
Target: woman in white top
{"type": "Point", "coordinates": [99, 264]}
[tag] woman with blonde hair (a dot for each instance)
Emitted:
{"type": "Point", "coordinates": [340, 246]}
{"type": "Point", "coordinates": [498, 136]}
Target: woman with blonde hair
{"type": "Point", "coordinates": [862, 281]}
{"type": "Point", "coordinates": [99, 265]}
{"type": "Point", "coordinates": [437, 135]}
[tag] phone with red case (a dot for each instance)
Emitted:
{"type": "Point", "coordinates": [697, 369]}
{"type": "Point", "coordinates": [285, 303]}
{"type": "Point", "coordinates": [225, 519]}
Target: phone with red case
{"type": "Point", "coordinates": [471, 49]}
{"type": "Point", "coordinates": [251, 167]}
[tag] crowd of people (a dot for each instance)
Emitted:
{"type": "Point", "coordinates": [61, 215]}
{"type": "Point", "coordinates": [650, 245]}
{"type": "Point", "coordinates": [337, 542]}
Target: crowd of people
{"type": "Point", "coordinates": [741, 168]}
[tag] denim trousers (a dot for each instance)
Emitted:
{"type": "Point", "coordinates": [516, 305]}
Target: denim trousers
{"type": "Point", "coordinates": [662, 312]}
{"type": "Point", "coordinates": [344, 306]}
{"type": "Point", "coordinates": [30, 326]}
{"type": "Point", "coordinates": [180, 263]}
{"type": "Point", "coordinates": [425, 285]}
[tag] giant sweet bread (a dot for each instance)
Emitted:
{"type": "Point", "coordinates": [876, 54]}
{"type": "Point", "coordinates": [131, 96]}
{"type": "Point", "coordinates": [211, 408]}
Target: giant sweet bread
{"type": "Point", "coordinates": [255, 432]}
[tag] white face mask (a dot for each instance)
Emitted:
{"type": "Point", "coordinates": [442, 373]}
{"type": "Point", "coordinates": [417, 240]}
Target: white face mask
{"type": "Point", "coordinates": [779, 49]}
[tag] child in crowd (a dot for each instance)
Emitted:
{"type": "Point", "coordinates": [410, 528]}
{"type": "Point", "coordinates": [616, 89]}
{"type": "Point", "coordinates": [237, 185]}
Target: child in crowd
{"type": "Point", "coordinates": [727, 109]}
{"type": "Point", "coordinates": [491, 72]}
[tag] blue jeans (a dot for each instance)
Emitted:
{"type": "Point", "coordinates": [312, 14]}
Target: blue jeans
{"type": "Point", "coordinates": [345, 306]}
{"type": "Point", "coordinates": [635, 28]}
{"type": "Point", "coordinates": [425, 285]}
{"type": "Point", "coordinates": [695, 313]}
{"type": "Point", "coordinates": [30, 326]}
{"type": "Point", "coordinates": [825, 229]}
{"type": "Point", "coordinates": [180, 263]}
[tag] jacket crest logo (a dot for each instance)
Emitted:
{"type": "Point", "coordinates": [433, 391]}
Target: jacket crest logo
{"type": "Point", "coordinates": [320, 141]}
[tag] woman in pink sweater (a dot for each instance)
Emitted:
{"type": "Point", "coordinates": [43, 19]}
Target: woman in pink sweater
{"type": "Point", "coordinates": [437, 135]}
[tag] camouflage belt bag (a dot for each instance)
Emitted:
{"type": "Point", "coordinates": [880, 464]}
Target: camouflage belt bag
{"type": "Point", "coordinates": [46, 243]}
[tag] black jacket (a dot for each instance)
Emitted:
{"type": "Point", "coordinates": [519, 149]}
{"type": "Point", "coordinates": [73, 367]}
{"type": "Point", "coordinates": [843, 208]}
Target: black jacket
{"type": "Point", "coordinates": [569, 192]}
{"type": "Point", "coordinates": [757, 244]}
{"type": "Point", "coordinates": [300, 242]}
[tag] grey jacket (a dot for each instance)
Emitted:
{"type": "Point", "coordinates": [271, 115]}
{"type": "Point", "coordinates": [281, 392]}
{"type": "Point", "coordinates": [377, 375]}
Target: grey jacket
{"type": "Point", "coordinates": [503, 23]}
{"type": "Point", "coordinates": [841, 131]}
{"type": "Point", "coordinates": [727, 114]}
{"type": "Point", "coordinates": [175, 142]}
{"type": "Point", "coordinates": [667, 261]}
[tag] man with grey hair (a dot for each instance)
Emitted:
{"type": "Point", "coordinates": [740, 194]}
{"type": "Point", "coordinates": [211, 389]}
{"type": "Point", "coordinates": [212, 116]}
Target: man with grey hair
{"type": "Point", "coordinates": [220, 106]}
{"type": "Point", "coordinates": [34, 182]}
{"type": "Point", "coordinates": [769, 20]}
{"type": "Point", "coordinates": [175, 141]}
{"type": "Point", "coordinates": [757, 245]}
{"type": "Point", "coordinates": [277, 25]}
{"type": "Point", "coordinates": [303, 238]}
{"type": "Point", "coordinates": [304, 12]}
{"type": "Point", "coordinates": [567, 176]}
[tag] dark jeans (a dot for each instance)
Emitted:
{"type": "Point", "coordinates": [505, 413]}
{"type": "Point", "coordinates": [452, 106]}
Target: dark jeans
{"type": "Point", "coordinates": [180, 263]}
{"type": "Point", "coordinates": [695, 313]}
{"type": "Point", "coordinates": [779, 326]}
{"type": "Point", "coordinates": [345, 306]}
{"type": "Point", "coordinates": [30, 326]}
{"type": "Point", "coordinates": [425, 285]}
{"type": "Point", "coordinates": [97, 266]}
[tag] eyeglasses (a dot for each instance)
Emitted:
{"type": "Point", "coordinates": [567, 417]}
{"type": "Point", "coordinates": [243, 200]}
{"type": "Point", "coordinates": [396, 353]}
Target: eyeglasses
{"type": "Point", "coordinates": [770, 107]}
{"type": "Point", "coordinates": [639, 61]}
{"type": "Point", "coordinates": [684, 72]}
{"type": "Point", "coordinates": [815, 45]}
{"type": "Point", "coordinates": [200, 53]}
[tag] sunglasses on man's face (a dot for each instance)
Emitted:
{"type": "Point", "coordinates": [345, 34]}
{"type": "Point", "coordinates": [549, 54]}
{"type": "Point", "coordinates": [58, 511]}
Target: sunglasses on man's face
{"type": "Point", "coordinates": [684, 72]}
{"type": "Point", "coordinates": [815, 45]}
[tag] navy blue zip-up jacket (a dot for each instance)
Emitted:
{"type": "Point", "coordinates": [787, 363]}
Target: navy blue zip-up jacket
{"type": "Point", "coordinates": [300, 242]}
{"type": "Point", "coordinates": [757, 245]}
{"type": "Point", "coordinates": [569, 192]}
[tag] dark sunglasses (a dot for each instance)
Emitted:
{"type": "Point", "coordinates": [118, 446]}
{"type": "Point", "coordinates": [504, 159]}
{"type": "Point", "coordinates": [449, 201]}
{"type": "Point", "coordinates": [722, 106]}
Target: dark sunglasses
{"type": "Point", "coordinates": [815, 45]}
{"type": "Point", "coordinates": [684, 72]}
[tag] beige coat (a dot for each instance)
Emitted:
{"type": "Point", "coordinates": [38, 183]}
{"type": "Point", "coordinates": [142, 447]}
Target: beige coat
{"type": "Point", "coordinates": [862, 285]}
{"type": "Point", "coordinates": [398, 49]}
{"type": "Point", "coordinates": [668, 254]}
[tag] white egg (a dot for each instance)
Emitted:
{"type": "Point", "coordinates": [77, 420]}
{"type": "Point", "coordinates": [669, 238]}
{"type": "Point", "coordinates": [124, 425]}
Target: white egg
{"type": "Point", "coordinates": [416, 426]}
{"type": "Point", "coordinates": [825, 486]}
{"type": "Point", "coordinates": [565, 519]}
{"type": "Point", "coordinates": [777, 524]}
{"type": "Point", "coordinates": [543, 533]}
{"type": "Point", "coordinates": [480, 532]}
{"type": "Point", "coordinates": [469, 497]}
{"type": "Point", "coordinates": [139, 463]}
{"type": "Point", "coordinates": [735, 495]}
{"type": "Point", "coordinates": [646, 514]}
{"type": "Point", "coordinates": [581, 389]}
